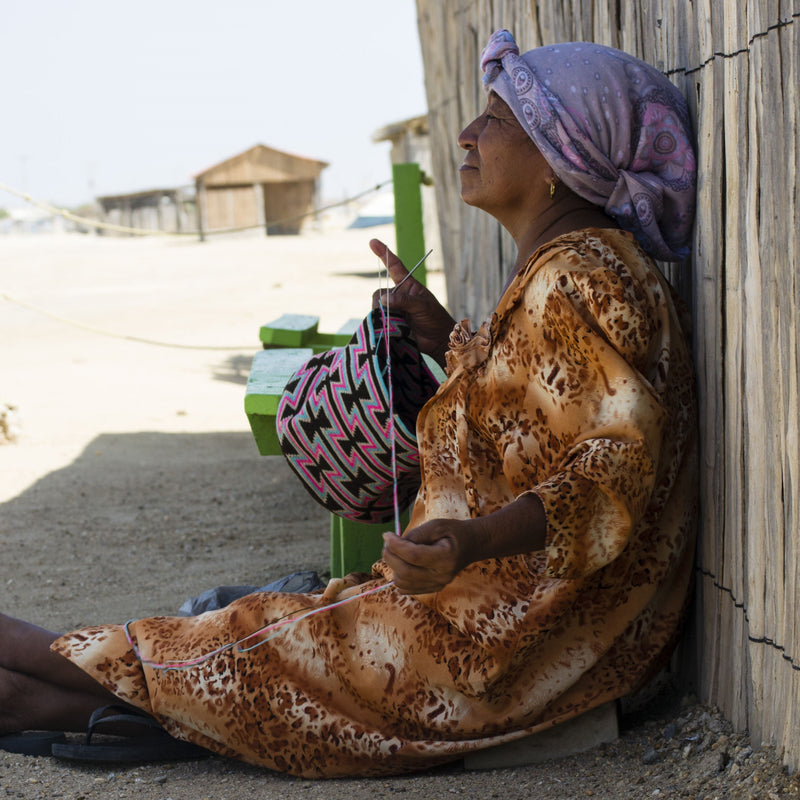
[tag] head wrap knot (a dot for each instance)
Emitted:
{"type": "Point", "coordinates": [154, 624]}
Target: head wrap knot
{"type": "Point", "coordinates": [612, 128]}
{"type": "Point", "coordinates": [500, 44]}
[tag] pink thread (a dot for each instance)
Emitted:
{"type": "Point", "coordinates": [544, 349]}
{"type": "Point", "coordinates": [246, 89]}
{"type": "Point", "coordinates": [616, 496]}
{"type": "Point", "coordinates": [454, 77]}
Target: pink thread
{"type": "Point", "coordinates": [391, 433]}
{"type": "Point", "coordinates": [275, 628]}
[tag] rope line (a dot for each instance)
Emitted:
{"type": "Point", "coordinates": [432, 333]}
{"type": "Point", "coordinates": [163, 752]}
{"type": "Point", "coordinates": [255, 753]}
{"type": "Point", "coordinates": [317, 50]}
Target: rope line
{"type": "Point", "coordinates": [110, 226]}
{"type": "Point", "coordinates": [141, 339]}
{"type": "Point", "coordinates": [111, 334]}
{"type": "Point", "coordinates": [766, 640]}
{"type": "Point", "coordinates": [784, 23]}
{"type": "Point", "coordinates": [63, 212]}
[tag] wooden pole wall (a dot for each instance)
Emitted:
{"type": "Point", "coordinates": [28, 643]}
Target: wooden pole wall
{"type": "Point", "coordinates": [738, 63]}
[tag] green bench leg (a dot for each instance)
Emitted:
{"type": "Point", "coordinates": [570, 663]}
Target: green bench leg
{"type": "Point", "coordinates": [356, 546]}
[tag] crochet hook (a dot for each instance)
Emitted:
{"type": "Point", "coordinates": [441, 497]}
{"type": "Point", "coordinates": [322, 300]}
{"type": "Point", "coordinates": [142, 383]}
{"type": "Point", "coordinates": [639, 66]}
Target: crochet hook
{"type": "Point", "coordinates": [411, 271]}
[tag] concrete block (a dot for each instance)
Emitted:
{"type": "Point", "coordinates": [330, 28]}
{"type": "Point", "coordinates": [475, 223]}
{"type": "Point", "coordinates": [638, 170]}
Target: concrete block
{"type": "Point", "coordinates": [573, 736]}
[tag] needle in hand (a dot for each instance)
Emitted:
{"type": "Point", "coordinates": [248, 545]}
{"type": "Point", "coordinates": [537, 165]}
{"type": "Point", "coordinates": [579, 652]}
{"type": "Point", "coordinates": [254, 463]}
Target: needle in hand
{"type": "Point", "coordinates": [411, 271]}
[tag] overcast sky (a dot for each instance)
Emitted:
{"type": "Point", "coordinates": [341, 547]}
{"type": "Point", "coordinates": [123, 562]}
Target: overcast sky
{"type": "Point", "coordinates": [105, 97]}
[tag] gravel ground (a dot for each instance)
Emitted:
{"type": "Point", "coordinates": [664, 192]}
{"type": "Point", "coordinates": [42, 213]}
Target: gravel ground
{"type": "Point", "coordinates": [134, 483]}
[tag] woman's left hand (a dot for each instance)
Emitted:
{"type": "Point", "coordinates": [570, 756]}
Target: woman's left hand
{"type": "Point", "coordinates": [425, 559]}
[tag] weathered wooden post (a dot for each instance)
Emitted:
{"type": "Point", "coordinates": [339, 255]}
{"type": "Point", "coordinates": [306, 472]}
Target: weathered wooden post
{"type": "Point", "coordinates": [199, 204]}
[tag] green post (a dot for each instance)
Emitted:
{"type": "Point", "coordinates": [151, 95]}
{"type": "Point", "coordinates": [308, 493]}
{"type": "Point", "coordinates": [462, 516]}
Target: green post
{"type": "Point", "coordinates": [407, 179]}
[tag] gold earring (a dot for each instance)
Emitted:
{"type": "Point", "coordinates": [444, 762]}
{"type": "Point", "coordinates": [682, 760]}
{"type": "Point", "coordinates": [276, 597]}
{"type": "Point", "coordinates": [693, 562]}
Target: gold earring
{"type": "Point", "coordinates": [552, 188]}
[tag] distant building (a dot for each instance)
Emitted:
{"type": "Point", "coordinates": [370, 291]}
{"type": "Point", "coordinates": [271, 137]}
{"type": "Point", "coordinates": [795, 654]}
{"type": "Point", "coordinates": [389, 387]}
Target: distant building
{"type": "Point", "coordinates": [260, 186]}
{"type": "Point", "coordinates": [168, 210]}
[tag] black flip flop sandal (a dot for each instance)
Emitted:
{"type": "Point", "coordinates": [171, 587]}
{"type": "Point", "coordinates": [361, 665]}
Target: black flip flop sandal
{"type": "Point", "coordinates": [31, 743]}
{"type": "Point", "coordinates": [158, 746]}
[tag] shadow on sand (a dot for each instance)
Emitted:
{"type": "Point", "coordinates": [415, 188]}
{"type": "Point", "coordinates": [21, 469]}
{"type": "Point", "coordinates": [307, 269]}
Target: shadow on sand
{"type": "Point", "coordinates": [234, 369]}
{"type": "Point", "coordinates": [139, 522]}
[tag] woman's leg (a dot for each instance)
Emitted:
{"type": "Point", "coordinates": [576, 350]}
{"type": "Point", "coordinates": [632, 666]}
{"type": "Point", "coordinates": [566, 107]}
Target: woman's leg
{"type": "Point", "coordinates": [40, 690]}
{"type": "Point", "coordinates": [27, 703]}
{"type": "Point", "coordinates": [25, 648]}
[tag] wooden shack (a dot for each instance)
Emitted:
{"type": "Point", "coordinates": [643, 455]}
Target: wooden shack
{"type": "Point", "coordinates": [165, 210]}
{"type": "Point", "coordinates": [259, 187]}
{"type": "Point", "coordinates": [738, 63]}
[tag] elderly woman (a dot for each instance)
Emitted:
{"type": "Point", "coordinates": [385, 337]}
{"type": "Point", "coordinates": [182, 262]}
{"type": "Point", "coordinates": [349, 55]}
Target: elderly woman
{"type": "Point", "coordinates": [547, 563]}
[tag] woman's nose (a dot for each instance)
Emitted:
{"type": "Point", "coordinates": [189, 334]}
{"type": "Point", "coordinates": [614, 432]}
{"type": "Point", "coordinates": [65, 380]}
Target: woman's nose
{"type": "Point", "coordinates": [467, 138]}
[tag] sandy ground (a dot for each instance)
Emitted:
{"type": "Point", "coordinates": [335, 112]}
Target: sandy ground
{"type": "Point", "coordinates": [135, 483]}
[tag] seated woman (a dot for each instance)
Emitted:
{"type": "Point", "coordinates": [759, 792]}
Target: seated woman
{"type": "Point", "coordinates": [547, 563]}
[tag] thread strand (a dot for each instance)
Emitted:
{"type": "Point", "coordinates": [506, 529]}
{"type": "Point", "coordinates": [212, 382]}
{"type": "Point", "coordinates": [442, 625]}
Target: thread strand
{"type": "Point", "coordinates": [275, 628]}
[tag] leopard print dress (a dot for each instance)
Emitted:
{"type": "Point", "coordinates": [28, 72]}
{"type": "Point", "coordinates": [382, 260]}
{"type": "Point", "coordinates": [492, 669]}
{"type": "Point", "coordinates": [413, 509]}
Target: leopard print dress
{"type": "Point", "coordinates": [580, 388]}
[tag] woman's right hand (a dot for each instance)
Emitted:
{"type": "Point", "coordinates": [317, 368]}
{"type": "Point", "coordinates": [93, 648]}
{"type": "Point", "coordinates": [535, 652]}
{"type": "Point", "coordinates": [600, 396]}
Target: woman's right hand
{"type": "Point", "coordinates": [428, 319]}
{"type": "Point", "coordinates": [425, 559]}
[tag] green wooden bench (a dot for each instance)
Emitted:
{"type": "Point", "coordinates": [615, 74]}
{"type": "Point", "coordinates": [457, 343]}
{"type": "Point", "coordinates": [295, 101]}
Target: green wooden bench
{"type": "Point", "coordinates": [300, 330]}
{"type": "Point", "coordinates": [289, 342]}
{"type": "Point", "coordinates": [269, 373]}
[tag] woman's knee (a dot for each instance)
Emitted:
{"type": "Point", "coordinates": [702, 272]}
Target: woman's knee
{"type": "Point", "coordinates": [23, 645]}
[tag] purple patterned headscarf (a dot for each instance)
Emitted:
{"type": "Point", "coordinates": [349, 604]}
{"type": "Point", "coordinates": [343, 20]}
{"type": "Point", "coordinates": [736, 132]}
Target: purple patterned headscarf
{"type": "Point", "coordinates": [613, 129]}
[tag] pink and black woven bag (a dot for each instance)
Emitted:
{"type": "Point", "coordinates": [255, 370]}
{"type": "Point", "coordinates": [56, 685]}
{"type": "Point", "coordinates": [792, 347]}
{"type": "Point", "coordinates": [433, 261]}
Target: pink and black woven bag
{"type": "Point", "coordinates": [333, 421]}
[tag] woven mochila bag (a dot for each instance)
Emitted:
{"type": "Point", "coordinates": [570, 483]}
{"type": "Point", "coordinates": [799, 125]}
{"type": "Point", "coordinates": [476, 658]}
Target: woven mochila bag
{"type": "Point", "coordinates": [333, 421]}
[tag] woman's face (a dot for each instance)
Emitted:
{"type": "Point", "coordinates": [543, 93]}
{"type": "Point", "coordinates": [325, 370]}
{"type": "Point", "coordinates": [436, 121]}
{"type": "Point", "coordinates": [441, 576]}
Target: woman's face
{"type": "Point", "coordinates": [503, 170]}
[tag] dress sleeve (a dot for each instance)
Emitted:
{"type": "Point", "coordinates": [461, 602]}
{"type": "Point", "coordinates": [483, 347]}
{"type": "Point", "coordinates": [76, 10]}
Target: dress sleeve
{"type": "Point", "coordinates": [592, 504]}
{"type": "Point", "coordinates": [603, 334]}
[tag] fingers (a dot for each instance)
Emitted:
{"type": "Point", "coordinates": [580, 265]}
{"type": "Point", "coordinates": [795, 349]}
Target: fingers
{"type": "Point", "coordinates": [412, 553]}
{"type": "Point", "coordinates": [402, 302]}
{"type": "Point", "coordinates": [390, 261]}
{"type": "Point", "coordinates": [419, 568]}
